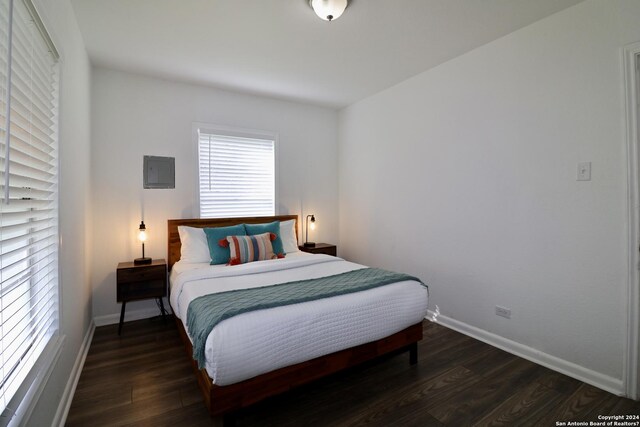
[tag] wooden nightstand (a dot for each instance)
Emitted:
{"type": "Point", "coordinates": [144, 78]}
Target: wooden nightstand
{"type": "Point", "coordinates": [320, 248]}
{"type": "Point", "coordinates": [136, 282]}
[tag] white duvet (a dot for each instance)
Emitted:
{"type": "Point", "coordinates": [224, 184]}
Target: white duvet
{"type": "Point", "coordinates": [257, 342]}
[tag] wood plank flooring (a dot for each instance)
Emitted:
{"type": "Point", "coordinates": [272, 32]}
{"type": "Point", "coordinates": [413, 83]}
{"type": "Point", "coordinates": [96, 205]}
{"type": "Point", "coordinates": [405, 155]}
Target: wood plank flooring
{"type": "Point", "coordinates": [143, 378]}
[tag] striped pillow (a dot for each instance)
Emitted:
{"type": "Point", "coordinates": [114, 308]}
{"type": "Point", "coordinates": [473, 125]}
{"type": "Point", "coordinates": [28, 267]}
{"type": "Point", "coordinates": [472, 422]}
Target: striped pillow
{"type": "Point", "coordinates": [245, 249]}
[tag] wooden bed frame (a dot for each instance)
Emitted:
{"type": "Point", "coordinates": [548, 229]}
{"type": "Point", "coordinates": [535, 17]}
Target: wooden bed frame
{"type": "Point", "coordinates": [223, 400]}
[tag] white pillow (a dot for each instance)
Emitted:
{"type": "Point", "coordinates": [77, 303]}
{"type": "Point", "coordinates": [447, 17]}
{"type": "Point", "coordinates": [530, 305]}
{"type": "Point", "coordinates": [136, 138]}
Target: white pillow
{"type": "Point", "coordinates": [195, 247]}
{"type": "Point", "coordinates": [288, 236]}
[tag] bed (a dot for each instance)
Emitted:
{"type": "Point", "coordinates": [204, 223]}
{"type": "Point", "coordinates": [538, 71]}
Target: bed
{"type": "Point", "coordinates": [261, 353]}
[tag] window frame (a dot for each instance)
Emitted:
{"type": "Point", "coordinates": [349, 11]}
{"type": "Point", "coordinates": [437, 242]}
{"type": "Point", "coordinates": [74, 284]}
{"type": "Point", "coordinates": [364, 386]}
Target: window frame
{"type": "Point", "coordinates": [23, 402]}
{"type": "Point", "coordinates": [200, 127]}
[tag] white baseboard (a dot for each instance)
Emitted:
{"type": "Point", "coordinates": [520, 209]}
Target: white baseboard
{"type": "Point", "coordinates": [112, 319]}
{"type": "Point", "coordinates": [70, 389]}
{"type": "Point", "coordinates": [604, 382]}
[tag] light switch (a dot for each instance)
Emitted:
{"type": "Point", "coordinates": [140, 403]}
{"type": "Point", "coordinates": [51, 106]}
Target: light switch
{"type": "Point", "coordinates": [584, 171]}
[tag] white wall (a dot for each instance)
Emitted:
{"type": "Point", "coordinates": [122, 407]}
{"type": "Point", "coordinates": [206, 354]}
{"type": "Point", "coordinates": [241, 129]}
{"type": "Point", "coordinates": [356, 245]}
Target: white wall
{"type": "Point", "coordinates": [75, 195]}
{"type": "Point", "coordinates": [465, 175]}
{"type": "Point", "coordinates": [135, 115]}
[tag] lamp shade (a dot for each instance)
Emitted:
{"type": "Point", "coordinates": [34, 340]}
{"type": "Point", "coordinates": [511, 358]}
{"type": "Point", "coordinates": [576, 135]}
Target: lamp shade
{"type": "Point", "coordinates": [328, 10]}
{"type": "Point", "coordinates": [142, 232]}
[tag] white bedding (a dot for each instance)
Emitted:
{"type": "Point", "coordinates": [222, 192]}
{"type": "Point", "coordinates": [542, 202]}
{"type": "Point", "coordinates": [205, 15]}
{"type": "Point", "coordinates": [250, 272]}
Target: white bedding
{"type": "Point", "coordinates": [257, 342]}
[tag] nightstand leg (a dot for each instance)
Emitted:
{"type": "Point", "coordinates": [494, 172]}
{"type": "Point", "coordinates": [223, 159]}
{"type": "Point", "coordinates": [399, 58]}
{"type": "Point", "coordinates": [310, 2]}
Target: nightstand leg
{"type": "Point", "coordinates": [124, 303]}
{"type": "Point", "coordinates": [162, 310]}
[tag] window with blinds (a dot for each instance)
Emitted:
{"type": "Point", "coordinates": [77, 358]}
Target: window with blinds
{"type": "Point", "coordinates": [28, 197]}
{"type": "Point", "coordinates": [237, 175]}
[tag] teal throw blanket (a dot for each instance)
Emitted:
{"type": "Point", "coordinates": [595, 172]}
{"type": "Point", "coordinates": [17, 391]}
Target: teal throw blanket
{"type": "Point", "coordinates": [205, 312]}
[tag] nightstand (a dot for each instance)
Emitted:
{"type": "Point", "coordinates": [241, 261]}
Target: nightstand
{"type": "Point", "coordinates": [137, 282]}
{"type": "Point", "coordinates": [320, 248]}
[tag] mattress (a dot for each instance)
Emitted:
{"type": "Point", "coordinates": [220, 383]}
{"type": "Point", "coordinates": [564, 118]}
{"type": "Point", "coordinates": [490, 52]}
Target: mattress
{"type": "Point", "coordinates": [257, 342]}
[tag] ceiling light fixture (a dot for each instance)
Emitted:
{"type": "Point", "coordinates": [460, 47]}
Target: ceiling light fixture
{"type": "Point", "coordinates": [328, 10]}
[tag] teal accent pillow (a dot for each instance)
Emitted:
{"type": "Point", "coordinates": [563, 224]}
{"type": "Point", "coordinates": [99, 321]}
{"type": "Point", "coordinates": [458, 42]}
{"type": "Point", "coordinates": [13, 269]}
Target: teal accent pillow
{"type": "Point", "coordinates": [220, 255]}
{"type": "Point", "coordinates": [271, 227]}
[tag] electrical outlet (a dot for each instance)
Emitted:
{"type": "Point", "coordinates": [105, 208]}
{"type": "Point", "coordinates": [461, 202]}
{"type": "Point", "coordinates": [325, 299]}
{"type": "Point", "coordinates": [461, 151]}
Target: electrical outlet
{"type": "Point", "coordinates": [584, 171]}
{"type": "Point", "coordinates": [503, 312]}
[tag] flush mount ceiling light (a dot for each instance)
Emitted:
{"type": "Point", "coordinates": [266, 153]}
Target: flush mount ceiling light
{"type": "Point", "coordinates": [328, 10]}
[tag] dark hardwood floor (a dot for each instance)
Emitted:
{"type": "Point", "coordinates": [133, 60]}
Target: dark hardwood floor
{"type": "Point", "coordinates": [143, 378]}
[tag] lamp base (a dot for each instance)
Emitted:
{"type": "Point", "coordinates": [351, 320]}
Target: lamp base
{"type": "Point", "coordinates": [309, 244]}
{"type": "Point", "coordinates": [142, 261]}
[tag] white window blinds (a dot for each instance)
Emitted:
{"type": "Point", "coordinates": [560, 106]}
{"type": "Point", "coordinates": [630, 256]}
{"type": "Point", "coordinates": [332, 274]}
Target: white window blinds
{"type": "Point", "coordinates": [29, 205]}
{"type": "Point", "coordinates": [237, 175]}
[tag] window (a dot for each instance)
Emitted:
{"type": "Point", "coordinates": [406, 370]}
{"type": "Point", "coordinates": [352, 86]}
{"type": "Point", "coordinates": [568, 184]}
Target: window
{"type": "Point", "coordinates": [236, 174]}
{"type": "Point", "coordinates": [28, 199]}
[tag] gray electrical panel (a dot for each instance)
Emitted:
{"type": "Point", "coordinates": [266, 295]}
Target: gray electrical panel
{"type": "Point", "coordinates": [159, 172]}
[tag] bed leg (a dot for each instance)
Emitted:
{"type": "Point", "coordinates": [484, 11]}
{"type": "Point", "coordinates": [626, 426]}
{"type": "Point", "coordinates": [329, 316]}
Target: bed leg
{"type": "Point", "coordinates": [227, 420]}
{"type": "Point", "coordinates": [413, 353]}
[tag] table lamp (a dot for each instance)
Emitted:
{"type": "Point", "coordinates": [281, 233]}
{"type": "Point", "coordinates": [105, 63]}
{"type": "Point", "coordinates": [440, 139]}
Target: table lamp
{"type": "Point", "coordinates": [142, 236]}
{"type": "Point", "coordinates": [307, 243]}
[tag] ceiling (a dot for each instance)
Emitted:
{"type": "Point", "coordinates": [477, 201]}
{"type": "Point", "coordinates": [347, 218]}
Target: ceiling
{"type": "Point", "coordinates": [280, 48]}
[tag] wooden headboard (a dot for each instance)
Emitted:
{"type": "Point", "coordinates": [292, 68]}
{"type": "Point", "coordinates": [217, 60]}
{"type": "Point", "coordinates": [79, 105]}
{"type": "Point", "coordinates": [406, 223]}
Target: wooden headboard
{"type": "Point", "coordinates": [173, 238]}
